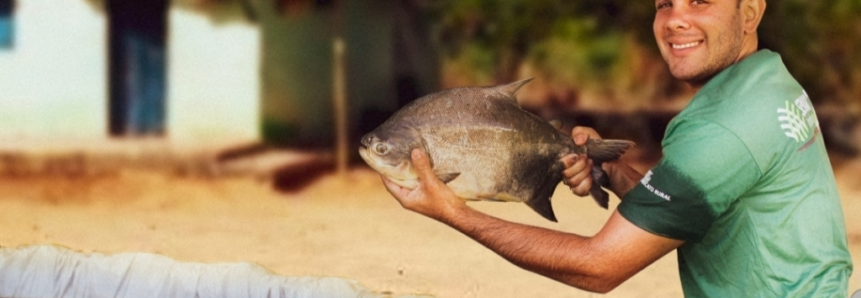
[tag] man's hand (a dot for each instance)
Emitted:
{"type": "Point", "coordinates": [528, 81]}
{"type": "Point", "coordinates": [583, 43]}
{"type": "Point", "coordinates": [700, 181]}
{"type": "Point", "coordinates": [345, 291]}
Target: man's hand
{"type": "Point", "coordinates": [432, 197]}
{"type": "Point", "coordinates": [578, 168]}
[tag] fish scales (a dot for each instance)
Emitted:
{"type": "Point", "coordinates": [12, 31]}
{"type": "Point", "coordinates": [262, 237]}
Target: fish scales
{"type": "Point", "coordinates": [484, 146]}
{"type": "Point", "coordinates": [448, 158]}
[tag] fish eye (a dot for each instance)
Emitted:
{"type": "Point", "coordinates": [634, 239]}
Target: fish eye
{"type": "Point", "coordinates": [381, 149]}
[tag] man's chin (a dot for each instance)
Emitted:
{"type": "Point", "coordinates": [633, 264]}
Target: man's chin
{"type": "Point", "coordinates": [694, 78]}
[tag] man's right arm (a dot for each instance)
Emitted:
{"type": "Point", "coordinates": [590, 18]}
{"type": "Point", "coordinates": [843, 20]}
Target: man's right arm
{"type": "Point", "coordinates": [598, 263]}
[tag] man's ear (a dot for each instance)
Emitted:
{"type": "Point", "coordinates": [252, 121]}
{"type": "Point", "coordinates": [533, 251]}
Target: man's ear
{"type": "Point", "coordinates": [752, 11]}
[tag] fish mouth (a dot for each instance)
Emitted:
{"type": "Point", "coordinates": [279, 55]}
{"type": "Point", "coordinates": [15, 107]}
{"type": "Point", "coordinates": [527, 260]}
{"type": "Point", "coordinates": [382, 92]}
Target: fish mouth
{"type": "Point", "coordinates": [401, 174]}
{"type": "Point", "coordinates": [373, 162]}
{"type": "Point", "coordinates": [363, 152]}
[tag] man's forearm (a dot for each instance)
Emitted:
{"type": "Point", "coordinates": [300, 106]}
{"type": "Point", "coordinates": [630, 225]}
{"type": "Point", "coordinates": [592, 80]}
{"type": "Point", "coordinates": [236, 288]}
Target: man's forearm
{"type": "Point", "coordinates": [623, 178]}
{"type": "Point", "coordinates": [568, 258]}
{"type": "Point", "coordinates": [598, 263]}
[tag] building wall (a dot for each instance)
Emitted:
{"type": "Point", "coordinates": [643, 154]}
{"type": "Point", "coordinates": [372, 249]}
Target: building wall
{"type": "Point", "coordinates": [213, 78]}
{"type": "Point", "coordinates": [54, 81]}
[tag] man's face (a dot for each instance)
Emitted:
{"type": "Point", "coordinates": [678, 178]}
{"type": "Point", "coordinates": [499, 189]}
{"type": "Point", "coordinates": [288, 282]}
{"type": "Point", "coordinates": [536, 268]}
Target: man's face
{"type": "Point", "coordinates": [698, 38]}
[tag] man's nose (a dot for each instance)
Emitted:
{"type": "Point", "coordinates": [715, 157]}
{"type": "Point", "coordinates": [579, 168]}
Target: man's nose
{"type": "Point", "coordinates": [677, 20]}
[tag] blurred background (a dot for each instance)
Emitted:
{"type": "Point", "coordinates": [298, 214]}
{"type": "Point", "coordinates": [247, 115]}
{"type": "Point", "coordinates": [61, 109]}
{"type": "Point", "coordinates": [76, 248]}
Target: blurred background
{"type": "Point", "coordinates": [266, 70]}
{"type": "Point", "coordinates": [228, 98]}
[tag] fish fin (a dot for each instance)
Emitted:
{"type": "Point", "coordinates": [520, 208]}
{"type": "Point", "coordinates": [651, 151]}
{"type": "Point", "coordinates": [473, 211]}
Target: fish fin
{"type": "Point", "coordinates": [447, 177]}
{"type": "Point", "coordinates": [599, 179]}
{"type": "Point", "coordinates": [511, 89]}
{"type": "Point", "coordinates": [540, 202]}
{"type": "Point", "coordinates": [599, 176]}
{"type": "Point", "coordinates": [600, 196]}
{"type": "Point", "coordinates": [607, 150]}
{"type": "Point", "coordinates": [543, 207]}
{"type": "Point", "coordinates": [600, 151]}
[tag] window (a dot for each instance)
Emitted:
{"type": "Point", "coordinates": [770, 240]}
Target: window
{"type": "Point", "coordinates": [6, 29]}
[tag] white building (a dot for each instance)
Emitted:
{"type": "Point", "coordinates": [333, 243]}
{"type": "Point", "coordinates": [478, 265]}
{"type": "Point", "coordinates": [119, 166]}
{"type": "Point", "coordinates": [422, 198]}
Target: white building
{"type": "Point", "coordinates": [55, 78]}
{"type": "Point", "coordinates": [228, 70]}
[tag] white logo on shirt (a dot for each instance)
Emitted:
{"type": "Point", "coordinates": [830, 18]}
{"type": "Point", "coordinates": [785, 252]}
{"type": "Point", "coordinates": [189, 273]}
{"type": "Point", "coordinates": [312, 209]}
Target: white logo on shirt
{"type": "Point", "coordinates": [647, 178]}
{"type": "Point", "coordinates": [797, 119]}
{"type": "Point", "coordinates": [645, 181]}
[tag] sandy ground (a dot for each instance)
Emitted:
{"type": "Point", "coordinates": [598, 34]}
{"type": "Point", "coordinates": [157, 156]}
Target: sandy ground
{"type": "Point", "coordinates": [337, 226]}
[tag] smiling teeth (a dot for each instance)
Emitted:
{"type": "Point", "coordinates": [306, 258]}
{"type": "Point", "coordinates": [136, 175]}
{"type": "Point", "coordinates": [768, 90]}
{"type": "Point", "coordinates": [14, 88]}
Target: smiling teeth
{"type": "Point", "coordinates": [686, 45]}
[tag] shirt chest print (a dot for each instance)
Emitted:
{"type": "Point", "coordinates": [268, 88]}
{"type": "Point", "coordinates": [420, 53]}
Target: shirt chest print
{"type": "Point", "coordinates": [798, 121]}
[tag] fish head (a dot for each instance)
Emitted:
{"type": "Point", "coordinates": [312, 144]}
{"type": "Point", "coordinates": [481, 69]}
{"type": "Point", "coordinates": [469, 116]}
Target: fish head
{"type": "Point", "coordinates": [388, 152]}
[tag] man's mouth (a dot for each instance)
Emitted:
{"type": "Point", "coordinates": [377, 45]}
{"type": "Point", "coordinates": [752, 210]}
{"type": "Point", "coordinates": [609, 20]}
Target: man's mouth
{"type": "Point", "coordinates": [684, 45]}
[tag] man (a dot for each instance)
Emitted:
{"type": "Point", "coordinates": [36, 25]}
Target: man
{"type": "Point", "coordinates": [745, 190]}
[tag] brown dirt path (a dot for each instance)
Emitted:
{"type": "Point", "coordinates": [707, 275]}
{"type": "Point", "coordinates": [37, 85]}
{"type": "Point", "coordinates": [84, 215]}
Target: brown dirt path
{"type": "Point", "coordinates": [345, 228]}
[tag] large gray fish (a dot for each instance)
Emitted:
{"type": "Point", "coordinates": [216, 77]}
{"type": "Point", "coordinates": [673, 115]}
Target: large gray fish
{"type": "Point", "coordinates": [484, 146]}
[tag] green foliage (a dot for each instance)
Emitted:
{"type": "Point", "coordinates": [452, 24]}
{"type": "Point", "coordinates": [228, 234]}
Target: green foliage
{"type": "Point", "coordinates": [819, 42]}
{"type": "Point", "coordinates": [576, 52]}
{"type": "Point", "coordinates": [584, 46]}
{"type": "Point", "coordinates": [584, 43]}
{"type": "Point", "coordinates": [506, 29]}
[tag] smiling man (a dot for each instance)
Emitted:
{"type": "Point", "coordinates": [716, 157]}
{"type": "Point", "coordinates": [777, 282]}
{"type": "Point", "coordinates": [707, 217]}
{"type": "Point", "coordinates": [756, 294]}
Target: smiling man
{"type": "Point", "coordinates": [745, 180]}
{"type": "Point", "coordinates": [700, 38]}
{"type": "Point", "coordinates": [745, 190]}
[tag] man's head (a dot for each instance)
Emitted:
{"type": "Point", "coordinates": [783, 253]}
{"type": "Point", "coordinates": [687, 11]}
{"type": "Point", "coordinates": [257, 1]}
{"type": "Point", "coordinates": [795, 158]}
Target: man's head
{"type": "Point", "coordinates": [700, 38]}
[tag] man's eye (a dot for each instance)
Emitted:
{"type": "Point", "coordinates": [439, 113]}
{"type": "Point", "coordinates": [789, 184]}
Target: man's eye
{"type": "Point", "coordinates": [698, 2]}
{"type": "Point", "coordinates": [662, 5]}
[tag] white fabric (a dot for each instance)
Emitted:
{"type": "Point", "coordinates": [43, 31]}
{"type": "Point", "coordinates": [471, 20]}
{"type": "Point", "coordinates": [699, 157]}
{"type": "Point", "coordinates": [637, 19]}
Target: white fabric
{"type": "Point", "coordinates": [46, 271]}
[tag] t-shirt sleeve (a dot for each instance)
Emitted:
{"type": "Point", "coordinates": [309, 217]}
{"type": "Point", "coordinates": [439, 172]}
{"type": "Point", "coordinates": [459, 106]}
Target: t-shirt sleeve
{"type": "Point", "coordinates": [705, 168]}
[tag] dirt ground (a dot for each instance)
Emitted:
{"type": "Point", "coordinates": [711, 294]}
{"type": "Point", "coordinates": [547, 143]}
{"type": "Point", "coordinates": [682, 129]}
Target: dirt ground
{"type": "Point", "coordinates": [337, 226]}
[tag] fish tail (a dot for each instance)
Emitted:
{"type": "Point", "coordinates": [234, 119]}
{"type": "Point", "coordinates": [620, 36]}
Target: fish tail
{"type": "Point", "coordinates": [600, 179]}
{"type": "Point", "coordinates": [606, 150]}
{"type": "Point", "coordinates": [601, 151]}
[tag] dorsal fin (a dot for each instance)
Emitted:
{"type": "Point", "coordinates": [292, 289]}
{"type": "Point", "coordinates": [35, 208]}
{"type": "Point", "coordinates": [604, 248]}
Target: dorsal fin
{"type": "Point", "coordinates": [511, 89]}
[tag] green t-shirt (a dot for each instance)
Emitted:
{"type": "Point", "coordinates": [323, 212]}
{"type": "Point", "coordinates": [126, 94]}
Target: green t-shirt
{"type": "Point", "coordinates": [745, 180]}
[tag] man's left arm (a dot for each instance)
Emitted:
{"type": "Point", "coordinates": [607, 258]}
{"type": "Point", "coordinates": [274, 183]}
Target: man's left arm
{"type": "Point", "coordinates": [598, 263]}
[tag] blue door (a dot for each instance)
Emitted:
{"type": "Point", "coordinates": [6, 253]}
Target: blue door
{"type": "Point", "coordinates": [6, 24]}
{"type": "Point", "coordinates": [137, 35]}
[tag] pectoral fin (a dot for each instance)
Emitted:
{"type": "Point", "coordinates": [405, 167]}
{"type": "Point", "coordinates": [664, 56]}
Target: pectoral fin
{"type": "Point", "coordinates": [447, 177]}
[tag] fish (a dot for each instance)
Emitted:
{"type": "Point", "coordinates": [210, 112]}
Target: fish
{"type": "Point", "coordinates": [484, 146]}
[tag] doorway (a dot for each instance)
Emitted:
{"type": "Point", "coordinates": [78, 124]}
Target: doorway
{"type": "Point", "coordinates": [137, 65]}
{"type": "Point", "coordinates": [7, 28]}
